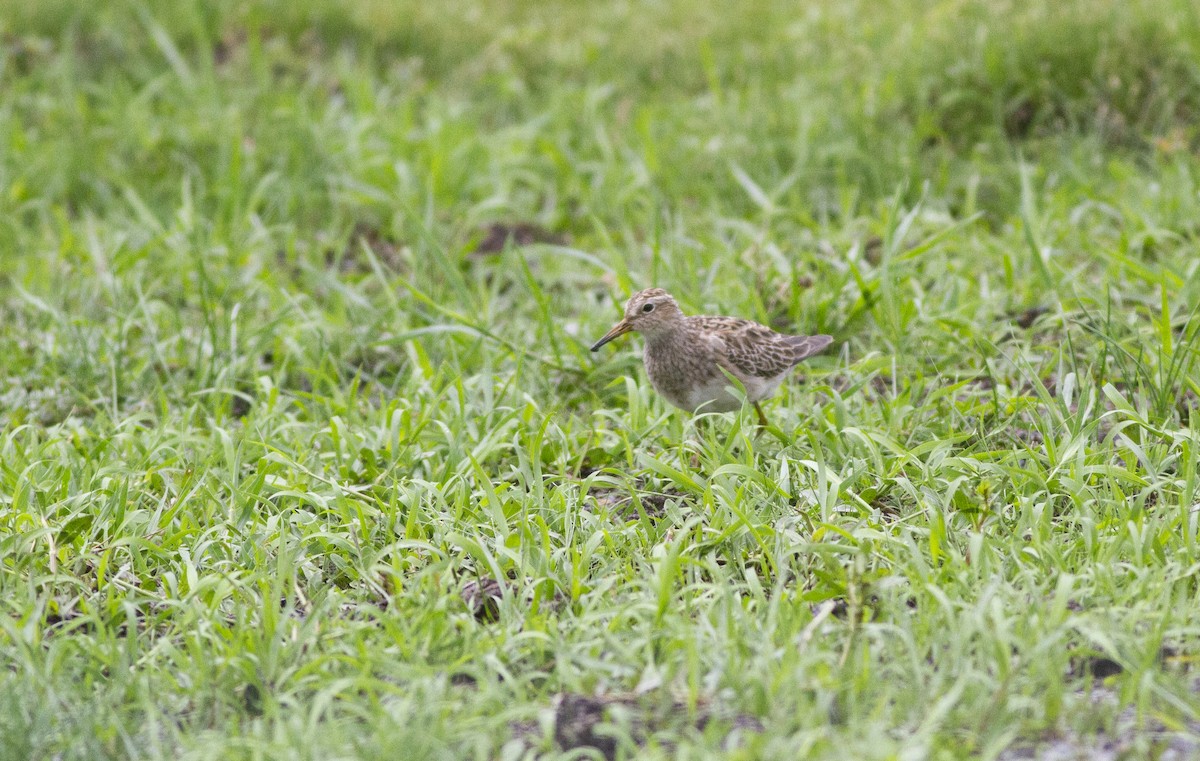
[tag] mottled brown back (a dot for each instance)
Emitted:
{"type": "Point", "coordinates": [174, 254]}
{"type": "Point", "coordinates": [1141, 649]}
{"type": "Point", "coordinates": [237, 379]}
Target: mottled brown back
{"type": "Point", "coordinates": [756, 349]}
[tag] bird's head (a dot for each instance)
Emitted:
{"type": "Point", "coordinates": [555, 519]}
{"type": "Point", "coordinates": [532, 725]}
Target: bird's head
{"type": "Point", "coordinates": [647, 312]}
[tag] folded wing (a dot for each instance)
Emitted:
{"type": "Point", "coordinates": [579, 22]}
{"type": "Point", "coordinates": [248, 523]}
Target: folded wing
{"type": "Point", "coordinates": [756, 350]}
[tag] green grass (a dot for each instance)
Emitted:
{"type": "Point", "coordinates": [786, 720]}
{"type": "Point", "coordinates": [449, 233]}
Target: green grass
{"type": "Point", "coordinates": [267, 415]}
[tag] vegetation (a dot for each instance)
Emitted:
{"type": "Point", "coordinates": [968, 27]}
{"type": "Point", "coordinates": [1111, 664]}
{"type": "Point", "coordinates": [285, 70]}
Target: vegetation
{"type": "Point", "coordinates": [302, 453]}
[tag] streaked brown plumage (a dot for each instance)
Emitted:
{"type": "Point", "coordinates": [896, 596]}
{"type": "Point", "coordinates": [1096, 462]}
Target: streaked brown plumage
{"type": "Point", "coordinates": [685, 356]}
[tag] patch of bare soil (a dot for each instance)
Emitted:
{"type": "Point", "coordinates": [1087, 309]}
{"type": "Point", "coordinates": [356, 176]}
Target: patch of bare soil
{"type": "Point", "coordinates": [1128, 738]}
{"type": "Point", "coordinates": [605, 723]}
{"type": "Point", "coordinates": [498, 234]}
{"type": "Point", "coordinates": [482, 598]}
{"type": "Point", "coordinates": [624, 503]}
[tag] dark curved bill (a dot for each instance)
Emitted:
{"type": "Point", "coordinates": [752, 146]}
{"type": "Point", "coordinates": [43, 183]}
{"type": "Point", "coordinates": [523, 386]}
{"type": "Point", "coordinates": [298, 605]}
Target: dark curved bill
{"type": "Point", "coordinates": [618, 330]}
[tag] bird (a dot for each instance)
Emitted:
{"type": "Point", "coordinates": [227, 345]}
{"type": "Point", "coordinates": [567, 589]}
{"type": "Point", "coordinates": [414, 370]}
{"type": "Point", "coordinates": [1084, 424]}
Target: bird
{"type": "Point", "coordinates": [687, 357]}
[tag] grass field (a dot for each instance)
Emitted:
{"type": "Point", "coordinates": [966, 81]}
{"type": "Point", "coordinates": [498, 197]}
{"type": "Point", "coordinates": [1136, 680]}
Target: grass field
{"type": "Point", "coordinates": [303, 455]}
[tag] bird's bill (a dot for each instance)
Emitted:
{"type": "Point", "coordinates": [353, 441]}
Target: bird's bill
{"type": "Point", "coordinates": [618, 330]}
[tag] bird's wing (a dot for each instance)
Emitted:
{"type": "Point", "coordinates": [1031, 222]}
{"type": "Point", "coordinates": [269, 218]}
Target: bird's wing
{"type": "Point", "coordinates": [749, 348]}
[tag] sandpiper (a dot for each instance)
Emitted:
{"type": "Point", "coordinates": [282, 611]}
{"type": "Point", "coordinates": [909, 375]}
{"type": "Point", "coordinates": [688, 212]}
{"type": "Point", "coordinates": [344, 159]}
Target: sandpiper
{"type": "Point", "coordinates": [687, 358]}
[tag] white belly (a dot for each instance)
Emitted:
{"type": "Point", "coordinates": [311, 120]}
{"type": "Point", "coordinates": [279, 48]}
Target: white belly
{"type": "Point", "coordinates": [716, 395]}
{"type": "Point", "coordinates": [692, 380]}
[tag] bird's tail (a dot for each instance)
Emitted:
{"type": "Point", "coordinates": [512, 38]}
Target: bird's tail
{"type": "Point", "coordinates": [806, 346]}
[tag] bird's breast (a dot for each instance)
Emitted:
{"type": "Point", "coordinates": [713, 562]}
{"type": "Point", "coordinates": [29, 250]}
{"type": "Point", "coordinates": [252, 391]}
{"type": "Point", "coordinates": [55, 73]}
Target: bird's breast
{"type": "Point", "coordinates": [687, 375]}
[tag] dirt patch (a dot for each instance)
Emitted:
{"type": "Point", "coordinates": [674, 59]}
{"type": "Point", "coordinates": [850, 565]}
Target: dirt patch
{"type": "Point", "coordinates": [482, 598]}
{"type": "Point", "coordinates": [1026, 318]}
{"type": "Point", "coordinates": [624, 503]}
{"type": "Point", "coordinates": [585, 470]}
{"type": "Point", "coordinates": [527, 732]}
{"type": "Point", "coordinates": [603, 723]}
{"type": "Point", "coordinates": [1186, 406]}
{"type": "Point", "coordinates": [353, 258]}
{"type": "Point", "coordinates": [1128, 737]}
{"type": "Point", "coordinates": [63, 621]}
{"type": "Point", "coordinates": [496, 236]}
{"type": "Point", "coordinates": [463, 679]}
{"type": "Point", "coordinates": [873, 250]}
{"type": "Point", "coordinates": [240, 403]}
{"type": "Point", "coordinates": [1095, 666]}
{"type": "Point", "coordinates": [231, 45]}
{"type": "Point", "coordinates": [578, 721]}
{"type": "Point", "coordinates": [252, 700]}
{"type": "Point", "coordinates": [1020, 118]}
{"type": "Point", "coordinates": [1024, 436]}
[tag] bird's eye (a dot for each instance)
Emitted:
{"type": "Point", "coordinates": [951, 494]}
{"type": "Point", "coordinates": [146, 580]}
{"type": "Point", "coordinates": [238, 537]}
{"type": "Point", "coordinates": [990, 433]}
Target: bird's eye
{"type": "Point", "coordinates": [648, 308]}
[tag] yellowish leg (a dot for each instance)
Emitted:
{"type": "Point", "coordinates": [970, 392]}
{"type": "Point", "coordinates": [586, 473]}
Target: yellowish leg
{"type": "Point", "coordinates": [764, 425]}
{"type": "Point", "coordinates": [762, 419]}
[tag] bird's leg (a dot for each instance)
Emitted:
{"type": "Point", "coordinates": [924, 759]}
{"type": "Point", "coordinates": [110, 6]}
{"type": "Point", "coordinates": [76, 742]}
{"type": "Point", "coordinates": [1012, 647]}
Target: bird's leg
{"type": "Point", "coordinates": [694, 460]}
{"type": "Point", "coordinates": [764, 425]}
{"type": "Point", "coordinates": [762, 419]}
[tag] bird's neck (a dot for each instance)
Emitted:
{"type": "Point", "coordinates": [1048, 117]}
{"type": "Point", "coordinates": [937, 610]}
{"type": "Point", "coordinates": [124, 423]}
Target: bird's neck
{"type": "Point", "coordinates": [666, 336]}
